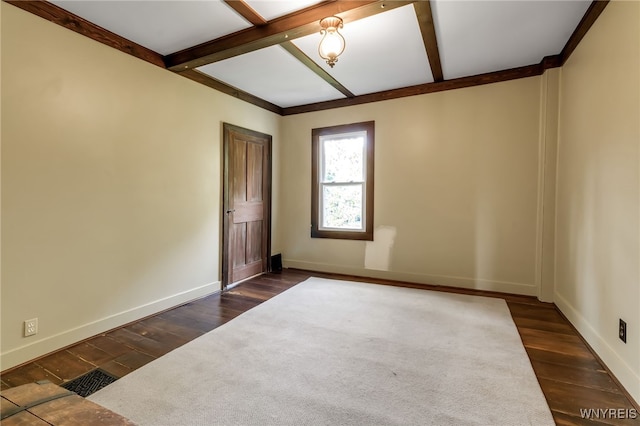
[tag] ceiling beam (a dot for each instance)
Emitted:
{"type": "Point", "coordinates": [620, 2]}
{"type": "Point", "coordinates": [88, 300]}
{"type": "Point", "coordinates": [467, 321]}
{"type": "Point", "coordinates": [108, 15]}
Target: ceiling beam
{"type": "Point", "coordinates": [209, 81]}
{"type": "Point", "coordinates": [288, 27]}
{"type": "Point", "coordinates": [247, 12]}
{"type": "Point", "coordinates": [458, 83]}
{"type": "Point", "coordinates": [590, 16]}
{"type": "Point", "coordinates": [428, 30]}
{"type": "Point", "coordinates": [310, 63]}
{"type": "Point", "coordinates": [60, 16]}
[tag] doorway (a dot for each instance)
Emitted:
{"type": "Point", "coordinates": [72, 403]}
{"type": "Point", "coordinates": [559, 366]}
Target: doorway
{"type": "Point", "coordinates": [246, 233]}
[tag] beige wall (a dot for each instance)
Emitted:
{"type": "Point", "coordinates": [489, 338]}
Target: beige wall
{"type": "Point", "coordinates": [547, 173]}
{"type": "Point", "coordinates": [111, 185]}
{"type": "Point", "coordinates": [456, 189]}
{"type": "Point", "coordinates": [597, 233]}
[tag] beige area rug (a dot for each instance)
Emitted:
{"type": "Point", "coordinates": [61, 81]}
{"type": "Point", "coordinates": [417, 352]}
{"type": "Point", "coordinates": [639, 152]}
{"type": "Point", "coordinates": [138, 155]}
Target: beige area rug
{"type": "Point", "coordinates": [344, 353]}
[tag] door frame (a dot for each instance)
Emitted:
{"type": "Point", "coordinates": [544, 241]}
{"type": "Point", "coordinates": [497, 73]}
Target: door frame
{"type": "Point", "coordinates": [227, 128]}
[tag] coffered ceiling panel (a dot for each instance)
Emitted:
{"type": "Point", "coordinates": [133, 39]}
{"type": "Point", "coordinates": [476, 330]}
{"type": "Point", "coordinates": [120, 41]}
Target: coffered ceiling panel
{"type": "Point", "coordinates": [273, 75]}
{"type": "Point", "coordinates": [162, 26]}
{"type": "Point", "coordinates": [476, 37]}
{"type": "Point", "coordinates": [383, 52]}
{"type": "Point", "coordinates": [270, 9]}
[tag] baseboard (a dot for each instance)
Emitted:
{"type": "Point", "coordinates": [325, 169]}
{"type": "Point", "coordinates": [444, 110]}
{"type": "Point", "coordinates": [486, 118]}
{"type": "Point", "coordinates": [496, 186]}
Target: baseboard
{"type": "Point", "coordinates": [49, 344]}
{"type": "Point", "coordinates": [461, 282]}
{"type": "Point", "coordinates": [618, 367]}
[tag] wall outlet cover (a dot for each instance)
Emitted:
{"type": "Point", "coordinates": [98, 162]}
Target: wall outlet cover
{"type": "Point", "coordinates": [30, 327]}
{"type": "Point", "coordinates": [622, 331]}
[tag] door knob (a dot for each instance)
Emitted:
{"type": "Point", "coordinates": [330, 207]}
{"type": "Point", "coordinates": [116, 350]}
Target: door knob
{"type": "Point", "coordinates": [231, 211]}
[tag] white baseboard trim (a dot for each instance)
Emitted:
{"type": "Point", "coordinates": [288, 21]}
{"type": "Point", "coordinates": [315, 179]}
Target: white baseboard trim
{"type": "Point", "coordinates": [48, 344]}
{"type": "Point", "coordinates": [451, 281]}
{"type": "Point", "coordinates": [623, 372]}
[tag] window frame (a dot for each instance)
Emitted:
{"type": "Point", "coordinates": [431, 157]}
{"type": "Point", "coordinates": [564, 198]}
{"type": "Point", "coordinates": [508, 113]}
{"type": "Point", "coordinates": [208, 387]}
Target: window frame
{"type": "Point", "coordinates": [316, 184]}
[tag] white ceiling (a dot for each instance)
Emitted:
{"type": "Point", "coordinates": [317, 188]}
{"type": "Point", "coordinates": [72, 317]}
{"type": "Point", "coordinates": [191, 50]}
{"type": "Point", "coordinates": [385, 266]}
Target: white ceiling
{"type": "Point", "coordinates": [475, 37]}
{"type": "Point", "coordinates": [275, 75]}
{"type": "Point", "coordinates": [391, 57]}
{"type": "Point", "coordinates": [272, 9]}
{"type": "Point", "coordinates": [383, 52]}
{"type": "Point", "coordinates": [162, 26]}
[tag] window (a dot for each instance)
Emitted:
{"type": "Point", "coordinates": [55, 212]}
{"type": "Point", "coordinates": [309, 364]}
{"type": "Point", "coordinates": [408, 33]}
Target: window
{"type": "Point", "coordinates": [342, 182]}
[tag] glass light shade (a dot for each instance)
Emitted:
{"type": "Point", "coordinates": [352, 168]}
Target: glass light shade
{"type": "Point", "coordinates": [332, 44]}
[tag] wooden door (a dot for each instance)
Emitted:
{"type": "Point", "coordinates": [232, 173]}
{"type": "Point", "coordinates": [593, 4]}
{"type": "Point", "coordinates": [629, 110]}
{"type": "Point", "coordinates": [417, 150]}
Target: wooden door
{"type": "Point", "coordinates": [247, 204]}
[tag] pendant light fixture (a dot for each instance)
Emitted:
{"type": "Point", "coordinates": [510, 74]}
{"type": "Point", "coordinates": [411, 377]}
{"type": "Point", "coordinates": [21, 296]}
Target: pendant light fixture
{"type": "Point", "coordinates": [332, 43]}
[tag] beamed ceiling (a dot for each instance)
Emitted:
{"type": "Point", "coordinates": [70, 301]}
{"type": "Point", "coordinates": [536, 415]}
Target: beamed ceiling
{"type": "Point", "coordinates": [265, 51]}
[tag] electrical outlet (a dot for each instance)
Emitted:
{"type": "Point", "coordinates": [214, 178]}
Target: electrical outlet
{"type": "Point", "coordinates": [30, 327]}
{"type": "Point", "coordinates": [622, 331]}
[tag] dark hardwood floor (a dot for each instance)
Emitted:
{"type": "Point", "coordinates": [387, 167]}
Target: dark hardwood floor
{"type": "Point", "coordinates": [571, 377]}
